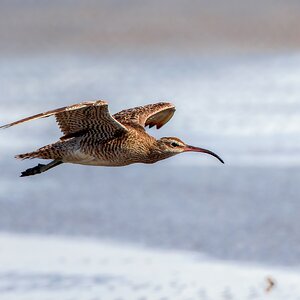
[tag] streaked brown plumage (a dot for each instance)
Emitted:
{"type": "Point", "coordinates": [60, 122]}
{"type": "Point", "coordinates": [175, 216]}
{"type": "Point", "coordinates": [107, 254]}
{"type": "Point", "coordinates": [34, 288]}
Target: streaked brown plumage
{"type": "Point", "coordinates": [93, 137]}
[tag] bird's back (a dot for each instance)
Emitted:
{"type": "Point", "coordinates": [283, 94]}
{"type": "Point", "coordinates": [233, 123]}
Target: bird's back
{"type": "Point", "coordinates": [130, 147]}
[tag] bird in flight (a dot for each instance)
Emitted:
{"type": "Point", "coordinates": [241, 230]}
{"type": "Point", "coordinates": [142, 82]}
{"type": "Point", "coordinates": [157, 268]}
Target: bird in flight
{"type": "Point", "coordinates": [92, 136]}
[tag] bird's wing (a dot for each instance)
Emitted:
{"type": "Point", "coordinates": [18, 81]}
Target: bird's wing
{"type": "Point", "coordinates": [149, 115]}
{"type": "Point", "coordinates": [79, 117]}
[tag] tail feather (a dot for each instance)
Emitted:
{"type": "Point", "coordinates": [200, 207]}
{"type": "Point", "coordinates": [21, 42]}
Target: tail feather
{"type": "Point", "coordinates": [52, 151]}
{"type": "Point", "coordinates": [46, 152]}
{"type": "Point", "coordinates": [27, 155]}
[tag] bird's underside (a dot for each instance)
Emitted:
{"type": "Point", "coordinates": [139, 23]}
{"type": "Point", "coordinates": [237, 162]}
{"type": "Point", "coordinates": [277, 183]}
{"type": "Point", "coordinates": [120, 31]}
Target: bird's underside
{"type": "Point", "coordinates": [91, 136]}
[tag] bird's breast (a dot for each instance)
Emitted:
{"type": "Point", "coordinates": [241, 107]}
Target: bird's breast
{"type": "Point", "coordinates": [83, 158]}
{"type": "Point", "coordinates": [121, 151]}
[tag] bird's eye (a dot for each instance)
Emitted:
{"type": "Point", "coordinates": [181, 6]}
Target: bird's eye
{"type": "Point", "coordinates": [174, 144]}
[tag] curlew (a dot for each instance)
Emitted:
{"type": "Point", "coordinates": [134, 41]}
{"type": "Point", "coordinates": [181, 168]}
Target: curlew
{"type": "Point", "coordinates": [92, 136]}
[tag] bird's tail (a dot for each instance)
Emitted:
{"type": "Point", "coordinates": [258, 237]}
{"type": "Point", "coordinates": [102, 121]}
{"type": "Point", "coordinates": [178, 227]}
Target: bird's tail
{"type": "Point", "coordinates": [31, 155]}
{"type": "Point", "coordinates": [46, 152]}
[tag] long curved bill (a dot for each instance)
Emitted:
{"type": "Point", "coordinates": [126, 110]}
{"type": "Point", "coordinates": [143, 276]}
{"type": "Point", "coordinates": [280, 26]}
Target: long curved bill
{"type": "Point", "coordinates": [196, 149]}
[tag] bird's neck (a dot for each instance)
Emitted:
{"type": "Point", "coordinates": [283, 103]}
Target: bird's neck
{"type": "Point", "coordinates": [158, 152]}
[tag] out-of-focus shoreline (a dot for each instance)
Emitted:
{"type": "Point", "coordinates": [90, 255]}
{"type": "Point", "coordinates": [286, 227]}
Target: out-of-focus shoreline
{"type": "Point", "coordinates": [48, 267]}
{"type": "Point", "coordinates": [168, 27]}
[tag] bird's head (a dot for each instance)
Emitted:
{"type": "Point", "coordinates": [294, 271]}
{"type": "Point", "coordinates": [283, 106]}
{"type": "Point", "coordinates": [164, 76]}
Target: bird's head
{"type": "Point", "coordinates": [171, 146]}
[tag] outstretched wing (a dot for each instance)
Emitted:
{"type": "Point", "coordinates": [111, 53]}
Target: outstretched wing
{"type": "Point", "coordinates": [149, 115]}
{"type": "Point", "coordinates": [79, 117]}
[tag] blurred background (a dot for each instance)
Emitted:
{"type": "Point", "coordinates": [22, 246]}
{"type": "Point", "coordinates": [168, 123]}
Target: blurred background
{"type": "Point", "coordinates": [232, 68]}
